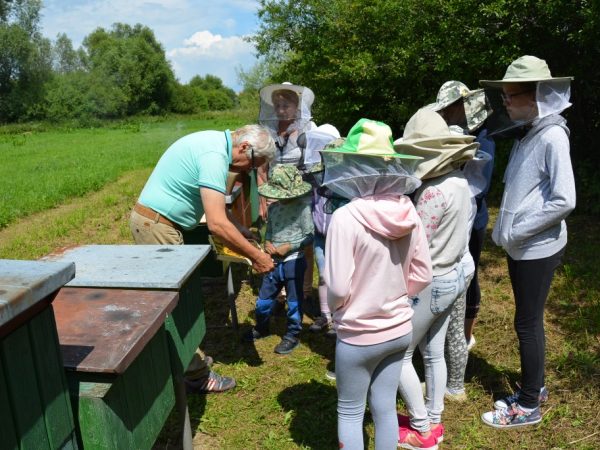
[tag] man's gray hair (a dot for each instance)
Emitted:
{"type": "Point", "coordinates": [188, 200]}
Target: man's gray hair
{"type": "Point", "coordinates": [259, 138]}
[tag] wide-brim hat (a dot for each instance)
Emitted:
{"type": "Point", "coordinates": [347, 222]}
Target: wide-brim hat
{"type": "Point", "coordinates": [427, 135]}
{"type": "Point", "coordinates": [285, 183]}
{"type": "Point", "coordinates": [369, 138]}
{"type": "Point", "coordinates": [526, 69]}
{"type": "Point", "coordinates": [427, 128]}
{"type": "Point", "coordinates": [305, 95]}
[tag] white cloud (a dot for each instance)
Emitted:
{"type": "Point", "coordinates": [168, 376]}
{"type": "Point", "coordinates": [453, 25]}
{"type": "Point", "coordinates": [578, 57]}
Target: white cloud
{"type": "Point", "coordinates": [206, 53]}
{"type": "Point", "coordinates": [217, 49]}
{"type": "Point", "coordinates": [204, 43]}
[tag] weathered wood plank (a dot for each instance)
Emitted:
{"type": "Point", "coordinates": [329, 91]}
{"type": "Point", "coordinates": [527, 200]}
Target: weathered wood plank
{"type": "Point", "coordinates": [104, 330]}
{"type": "Point", "coordinates": [23, 390]}
{"type": "Point", "coordinates": [51, 379]}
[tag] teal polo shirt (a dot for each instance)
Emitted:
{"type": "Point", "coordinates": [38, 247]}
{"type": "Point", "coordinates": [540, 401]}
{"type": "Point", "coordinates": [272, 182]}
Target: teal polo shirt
{"type": "Point", "coordinates": [197, 160]}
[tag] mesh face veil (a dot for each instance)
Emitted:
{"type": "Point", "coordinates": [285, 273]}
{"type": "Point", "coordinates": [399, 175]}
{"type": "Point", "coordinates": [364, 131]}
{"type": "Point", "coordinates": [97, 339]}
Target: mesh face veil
{"type": "Point", "coordinates": [352, 176]}
{"type": "Point", "coordinates": [287, 103]}
{"type": "Point", "coordinates": [551, 97]}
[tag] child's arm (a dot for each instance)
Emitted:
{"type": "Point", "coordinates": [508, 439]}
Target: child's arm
{"type": "Point", "coordinates": [270, 248]}
{"type": "Point", "coordinates": [339, 262]}
{"type": "Point", "coordinates": [431, 207]}
{"type": "Point", "coordinates": [282, 249]}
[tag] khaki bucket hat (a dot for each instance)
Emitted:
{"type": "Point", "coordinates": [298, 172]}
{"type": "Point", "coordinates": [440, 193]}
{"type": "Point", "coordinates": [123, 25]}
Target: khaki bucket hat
{"type": "Point", "coordinates": [524, 70]}
{"type": "Point", "coordinates": [285, 183]}
{"type": "Point", "coordinates": [427, 135]}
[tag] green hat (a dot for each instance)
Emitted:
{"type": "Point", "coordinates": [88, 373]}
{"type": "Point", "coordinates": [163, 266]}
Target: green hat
{"type": "Point", "coordinates": [369, 138]}
{"type": "Point", "coordinates": [524, 70]}
{"type": "Point", "coordinates": [285, 182]}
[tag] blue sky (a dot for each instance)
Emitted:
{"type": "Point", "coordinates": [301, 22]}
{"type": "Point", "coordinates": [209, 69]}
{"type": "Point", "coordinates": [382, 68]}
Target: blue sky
{"type": "Point", "coordinates": [199, 36]}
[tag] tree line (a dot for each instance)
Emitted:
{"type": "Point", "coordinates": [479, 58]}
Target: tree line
{"type": "Point", "coordinates": [115, 73]}
{"type": "Point", "coordinates": [384, 59]}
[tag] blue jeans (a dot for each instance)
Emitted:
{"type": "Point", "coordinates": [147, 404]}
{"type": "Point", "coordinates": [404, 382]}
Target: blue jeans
{"type": "Point", "coordinates": [291, 275]}
{"type": "Point", "coordinates": [430, 321]}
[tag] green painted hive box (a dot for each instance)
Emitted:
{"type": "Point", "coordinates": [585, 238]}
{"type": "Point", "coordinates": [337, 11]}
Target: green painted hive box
{"type": "Point", "coordinates": [35, 410]}
{"type": "Point", "coordinates": [115, 349]}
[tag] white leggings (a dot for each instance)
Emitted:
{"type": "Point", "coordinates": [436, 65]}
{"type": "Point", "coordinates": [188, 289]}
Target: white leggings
{"type": "Point", "coordinates": [373, 370]}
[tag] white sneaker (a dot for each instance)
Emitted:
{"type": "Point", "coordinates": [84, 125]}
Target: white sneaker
{"type": "Point", "coordinates": [471, 343]}
{"type": "Point", "coordinates": [458, 396]}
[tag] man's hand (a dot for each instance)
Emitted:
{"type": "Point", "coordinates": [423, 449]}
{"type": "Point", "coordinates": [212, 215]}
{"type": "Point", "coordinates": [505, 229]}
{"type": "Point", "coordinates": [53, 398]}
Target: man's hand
{"type": "Point", "coordinates": [263, 264]}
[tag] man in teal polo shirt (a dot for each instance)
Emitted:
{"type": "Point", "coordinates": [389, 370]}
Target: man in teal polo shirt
{"type": "Point", "coordinates": [189, 181]}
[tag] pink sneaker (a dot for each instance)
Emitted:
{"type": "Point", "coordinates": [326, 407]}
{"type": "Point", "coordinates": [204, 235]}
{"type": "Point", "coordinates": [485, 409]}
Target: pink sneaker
{"type": "Point", "coordinates": [413, 440]}
{"type": "Point", "coordinates": [436, 429]}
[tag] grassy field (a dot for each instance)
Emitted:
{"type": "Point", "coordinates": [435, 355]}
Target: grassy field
{"type": "Point", "coordinates": [285, 402]}
{"type": "Point", "coordinates": [40, 169]}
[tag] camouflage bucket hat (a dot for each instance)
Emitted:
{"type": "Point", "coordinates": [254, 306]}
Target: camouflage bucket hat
{"type": "Point", "coordinates": [476, 107]}
{"type": "Point", "coordinates": [285, 182]}
{"type": "Point", "coordinates": [450, 92]}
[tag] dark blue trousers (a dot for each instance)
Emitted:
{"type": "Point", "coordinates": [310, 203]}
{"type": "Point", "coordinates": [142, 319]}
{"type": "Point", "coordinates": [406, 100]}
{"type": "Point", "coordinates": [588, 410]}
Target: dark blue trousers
{"type": "Point", "coordinates": [291, 275]}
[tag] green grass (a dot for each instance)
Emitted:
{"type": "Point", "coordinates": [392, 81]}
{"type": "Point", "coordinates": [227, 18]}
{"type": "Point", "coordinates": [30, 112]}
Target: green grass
{"type": "Point", "coordinates": [41, 167]}
{"type": "Point", "coordinates": [285, 402]}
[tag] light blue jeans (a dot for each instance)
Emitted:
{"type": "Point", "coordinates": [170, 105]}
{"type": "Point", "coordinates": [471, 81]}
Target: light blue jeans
{"type": "Point", "coordinates": [371, 370]}
{"type": "Point", "coordinates": [432, 309]}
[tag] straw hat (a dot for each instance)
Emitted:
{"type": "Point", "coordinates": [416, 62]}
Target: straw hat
{"type": "Point", "coordinates": [524, 70]}
{"type": "Point", "coordinates": [427, 135]}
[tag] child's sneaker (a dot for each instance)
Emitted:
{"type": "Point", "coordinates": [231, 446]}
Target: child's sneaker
{"type": "Point", "coordinates": [514, 398]}
{"type": "Point", "coordinates": [455, 396]}
{"type": "Point", "coordinates": [513, 416]}
{"type": "Point", "coordinates": [320, 324]}
{"type": "Point", "coordinates": [413, 440]}
{"type": "Point", "coordinates": [253, 335]}
{"type": "Point", "coordinates": [471, 343]}
{"type": "Point", "coordinates": [330, 375]}
{"type": "Point", "coordinates": [287, 345]}
{"type": "Point", "coordinates": [436, 429]}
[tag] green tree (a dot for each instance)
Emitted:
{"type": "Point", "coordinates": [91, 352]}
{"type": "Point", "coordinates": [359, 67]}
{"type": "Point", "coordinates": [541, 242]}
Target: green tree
{"type": "Point", "coordinates": [83, 96]}
{"type": "Point", "coordinates": [384, 59]}
{"type": "Point", "coordinates": [214, 83]}
{"type": "Point", "coordinates": [25, 59]}
{"type": "Point", "coordinates": [252, 80]}
{"type": "Point", "coordinates": [65, 58]}
{"type": "Point", "coordinates": [133, 61]}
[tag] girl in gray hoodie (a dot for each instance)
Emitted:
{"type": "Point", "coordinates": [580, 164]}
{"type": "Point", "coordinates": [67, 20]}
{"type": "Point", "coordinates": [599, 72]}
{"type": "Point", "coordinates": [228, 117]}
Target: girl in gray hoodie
{"type": "Point", "coordinates": [539, 194]}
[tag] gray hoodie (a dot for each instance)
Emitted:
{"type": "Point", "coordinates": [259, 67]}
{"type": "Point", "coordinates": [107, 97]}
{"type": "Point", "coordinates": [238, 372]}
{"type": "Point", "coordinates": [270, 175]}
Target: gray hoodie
{"type": "Point", "coordinates": [539, 192]}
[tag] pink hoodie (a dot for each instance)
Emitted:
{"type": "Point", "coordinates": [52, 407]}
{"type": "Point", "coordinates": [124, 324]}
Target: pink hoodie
{"type": "Point", "coordinates": [376, 256]}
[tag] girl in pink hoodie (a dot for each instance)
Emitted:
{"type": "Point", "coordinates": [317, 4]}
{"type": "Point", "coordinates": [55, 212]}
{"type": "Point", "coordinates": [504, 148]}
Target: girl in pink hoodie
{"type": "Point", "coordinates": [376, 257]}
